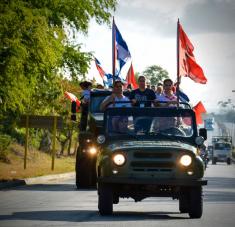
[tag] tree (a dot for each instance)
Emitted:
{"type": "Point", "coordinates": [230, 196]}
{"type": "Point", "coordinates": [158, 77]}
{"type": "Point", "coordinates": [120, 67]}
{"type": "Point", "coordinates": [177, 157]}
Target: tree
{"type": "Point", "coordinates": [155, 74]}
{"type": "Point", "coordinates": [228, 110]}
{"type": "Point", "coordinates": [35, 47]}
{"type": "Point", "coordinates": [137, 74]}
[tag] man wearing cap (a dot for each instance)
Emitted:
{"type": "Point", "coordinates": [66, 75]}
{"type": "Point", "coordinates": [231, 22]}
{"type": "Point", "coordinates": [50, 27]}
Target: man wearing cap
{"type": "Point", "coordinates": [115, 97]}
{"type": "Point", "coordinates": [86, 87]}
{"type": "Point", "coordinates": [85, 99]}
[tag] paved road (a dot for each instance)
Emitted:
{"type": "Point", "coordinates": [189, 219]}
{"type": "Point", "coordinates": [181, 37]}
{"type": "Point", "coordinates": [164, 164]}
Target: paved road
{"type": "Point", "coordinates": [60, 204]}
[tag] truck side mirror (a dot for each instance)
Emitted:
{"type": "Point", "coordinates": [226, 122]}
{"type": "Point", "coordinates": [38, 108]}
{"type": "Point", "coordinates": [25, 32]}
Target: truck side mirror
{"type": "Point", "coordinates": [203, 133]}
{"type": "Point", "coordinates": [73, 111]}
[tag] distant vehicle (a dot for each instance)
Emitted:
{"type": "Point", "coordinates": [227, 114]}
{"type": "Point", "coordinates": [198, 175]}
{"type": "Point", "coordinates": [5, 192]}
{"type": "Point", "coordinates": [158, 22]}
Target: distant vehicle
{"type": "Point", "coordinates": [209, 124]}
{"type": "Point", "coordinates": [222, 149]}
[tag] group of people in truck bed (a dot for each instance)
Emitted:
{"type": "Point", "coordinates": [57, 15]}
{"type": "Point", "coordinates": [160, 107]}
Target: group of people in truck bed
{"type": "Point", "coordinates": [142, 96]}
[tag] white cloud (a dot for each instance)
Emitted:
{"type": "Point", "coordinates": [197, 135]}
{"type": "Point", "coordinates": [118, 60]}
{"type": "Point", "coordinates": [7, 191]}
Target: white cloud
{"type": "Point", "coordinates": [169, 7]}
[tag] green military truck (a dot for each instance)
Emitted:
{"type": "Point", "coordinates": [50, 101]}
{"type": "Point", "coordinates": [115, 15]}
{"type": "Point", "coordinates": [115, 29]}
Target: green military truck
{"type": "Point", "coordinates": [147, 152]}
{"type": "Point", "coordinates": [87, 150]}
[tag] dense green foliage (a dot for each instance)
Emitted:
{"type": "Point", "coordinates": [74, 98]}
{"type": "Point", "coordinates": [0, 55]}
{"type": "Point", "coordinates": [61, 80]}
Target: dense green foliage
{"type": "Point", "coordinates": [5, 141]}
{"type": "Point", "coordinates": [227, 111]}
{"type": "Point", "coordinates": [35, 49]}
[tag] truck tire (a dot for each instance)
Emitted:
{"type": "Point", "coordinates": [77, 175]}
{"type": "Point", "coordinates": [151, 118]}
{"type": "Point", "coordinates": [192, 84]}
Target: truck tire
{"type": "Point", "coordinates": [195, 202]}
{"type": "Point", "coordinates": [105, 200]}
{"type": "Point", "coordinates": [85, 172]}
{"type": "Point", "coordinates": [183, 205]}
{"type": "Point", "coordinates": [228, 161]}
{"type": "Point", "coordinates": [184, 200]}
{"type": "Point", "coordinates": [214, 161]}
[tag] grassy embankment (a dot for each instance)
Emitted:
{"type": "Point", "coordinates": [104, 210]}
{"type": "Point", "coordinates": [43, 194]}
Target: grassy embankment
{"type": "Point", "coordinates": [38, 164]}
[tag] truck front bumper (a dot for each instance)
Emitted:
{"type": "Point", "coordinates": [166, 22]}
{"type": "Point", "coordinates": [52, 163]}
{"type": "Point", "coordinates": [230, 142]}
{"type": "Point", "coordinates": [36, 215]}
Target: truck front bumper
{"type": "Point", "coordinates": [152, 181]}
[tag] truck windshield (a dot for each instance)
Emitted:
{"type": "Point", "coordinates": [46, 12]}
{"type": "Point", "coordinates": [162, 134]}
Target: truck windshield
{"type": "Point", "coordinates": [151, 125]}
{"type": "Point", "coordinates": [222, 146]}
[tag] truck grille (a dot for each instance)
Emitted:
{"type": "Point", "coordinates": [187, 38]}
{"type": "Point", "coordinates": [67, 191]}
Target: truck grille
{"type": "Point", "coordinates": [151, 164]}
{"type": "Point", "coordinates": [152, 161]}
{"type": "Point", "coordinates": [152, 155]}
{"type": "Point", "coordinates": [222, 156]}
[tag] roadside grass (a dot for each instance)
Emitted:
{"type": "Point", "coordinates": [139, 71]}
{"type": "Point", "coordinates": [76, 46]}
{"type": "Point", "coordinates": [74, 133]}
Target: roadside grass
{"type": "Point", "coordinates": [38, 164]}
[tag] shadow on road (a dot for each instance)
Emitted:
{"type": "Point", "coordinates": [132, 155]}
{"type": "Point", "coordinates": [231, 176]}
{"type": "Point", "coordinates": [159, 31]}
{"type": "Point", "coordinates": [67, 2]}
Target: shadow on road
{"type": "Point", "coordinates": [221, 182]}
{"type": "Point", "coordinates": [48, 187]}
{"type": "Point", "coordinates": [218, 196]}
{"type": "Point", "coordinates": [90, 216]}
{"type": "Point", "coordinates": [219, 189]}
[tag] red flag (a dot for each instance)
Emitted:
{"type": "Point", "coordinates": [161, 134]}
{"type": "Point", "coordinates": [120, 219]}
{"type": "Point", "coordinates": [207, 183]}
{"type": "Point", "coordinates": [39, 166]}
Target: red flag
{"type": "Point", "coordinates": [130, 79]}
{"type": "Point", "coordinates": [199, 109]}
{"type": "Point", "coordinates": [72, 98]}
{"type": "Point", "coordinates": [187, 62]}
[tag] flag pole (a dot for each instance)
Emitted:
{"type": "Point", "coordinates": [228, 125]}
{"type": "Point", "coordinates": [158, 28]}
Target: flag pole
{"type": "Point", "coordinates": [113, 50]}
{"type": "Point", "coordinates": [178, 55]}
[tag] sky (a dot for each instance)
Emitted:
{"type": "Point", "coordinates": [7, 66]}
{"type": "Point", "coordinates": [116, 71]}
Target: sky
{"type": "Point", "coordinates": [149, 29]}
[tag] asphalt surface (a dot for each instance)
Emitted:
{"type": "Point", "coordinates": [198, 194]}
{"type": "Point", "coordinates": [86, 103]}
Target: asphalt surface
{"type": "Point", "coordinates": [60, 203]}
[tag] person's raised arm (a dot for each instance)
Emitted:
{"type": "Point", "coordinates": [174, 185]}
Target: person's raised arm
{"type": "Point", "coordinates": [106, 102]}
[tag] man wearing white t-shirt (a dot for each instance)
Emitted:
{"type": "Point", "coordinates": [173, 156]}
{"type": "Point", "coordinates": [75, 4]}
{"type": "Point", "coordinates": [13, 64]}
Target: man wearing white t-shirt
{"type": "Point", "coordinates": [115, 97]}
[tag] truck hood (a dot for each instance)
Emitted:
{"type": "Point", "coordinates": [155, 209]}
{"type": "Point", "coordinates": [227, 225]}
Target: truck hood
{"type": "Point", "coordinates": [163, 144]}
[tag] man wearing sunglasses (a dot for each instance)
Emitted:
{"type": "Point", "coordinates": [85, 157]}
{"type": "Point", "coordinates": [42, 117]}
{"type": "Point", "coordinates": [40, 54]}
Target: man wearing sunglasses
{"type": "Point", "coordinates": [168, 95]}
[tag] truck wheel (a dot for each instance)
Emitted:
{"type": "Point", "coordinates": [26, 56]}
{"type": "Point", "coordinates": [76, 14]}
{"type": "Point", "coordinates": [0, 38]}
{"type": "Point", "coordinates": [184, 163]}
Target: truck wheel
{"type": "Point", "coordinates": [83, 176]}
{"type": "Point", "coordinates": [85, 172]}
{"type": "Point", "coordinates": [105, 200]}
{"type": "Point", "coordinates": [228, 161]}
{"type": "Point", "coordinates": [184, 201]}
{"type": "Point", "coordinates": [183, 205]}
{"type": "Point", "coordinates": [115, 199]}
{"type": "Point", "coordinates": [195, 202]}
{"type": "Point", "coordinates": [214, 161]}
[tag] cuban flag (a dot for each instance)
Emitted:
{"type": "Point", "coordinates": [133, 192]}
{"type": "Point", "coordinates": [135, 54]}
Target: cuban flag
{"type": "Point", "coordinates": [121, 51]}
{"type": "Point", "coordinates": [108, 80]}
{"type": "Point", "coordinates": [106, 77]}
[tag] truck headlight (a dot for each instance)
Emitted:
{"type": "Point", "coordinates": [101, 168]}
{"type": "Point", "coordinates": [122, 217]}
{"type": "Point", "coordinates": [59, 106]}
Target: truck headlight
{"type": "Point", "coordinates": [92, 150]}
{"type": "Point", "coordinates": [119, 159]}
{"type": "Point", "coordinates": [185, 160]}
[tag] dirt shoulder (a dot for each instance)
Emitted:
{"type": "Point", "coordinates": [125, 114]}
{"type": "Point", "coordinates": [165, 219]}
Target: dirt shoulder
{"type": "Point", "coordinates": [38, 164]}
